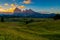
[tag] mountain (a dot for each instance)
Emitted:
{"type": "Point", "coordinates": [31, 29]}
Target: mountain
{"type": "Point", "coordinates": [17, 10]}
{"type": "Point", "coordinates": [30, 13]}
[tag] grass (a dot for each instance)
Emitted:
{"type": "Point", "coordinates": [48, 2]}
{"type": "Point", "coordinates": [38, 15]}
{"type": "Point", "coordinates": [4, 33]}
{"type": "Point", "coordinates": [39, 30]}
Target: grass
{"type": "Point", "coordinates": [45, 29]}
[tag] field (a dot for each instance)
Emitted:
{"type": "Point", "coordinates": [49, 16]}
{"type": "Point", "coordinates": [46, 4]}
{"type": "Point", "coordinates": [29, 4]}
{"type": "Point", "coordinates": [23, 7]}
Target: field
{"type": "Point", "coordinates": [36, 29]}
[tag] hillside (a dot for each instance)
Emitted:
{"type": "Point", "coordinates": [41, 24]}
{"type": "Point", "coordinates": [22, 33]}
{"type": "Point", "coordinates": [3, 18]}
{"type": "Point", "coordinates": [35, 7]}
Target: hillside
{"type": "Point", "coordinates": [47, 29]}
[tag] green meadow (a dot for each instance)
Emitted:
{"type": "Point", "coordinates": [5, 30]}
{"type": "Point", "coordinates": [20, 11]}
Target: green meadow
{"type": "Point", "coordinates": [38, 29]}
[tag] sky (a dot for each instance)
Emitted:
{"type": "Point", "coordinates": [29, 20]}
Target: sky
{"type": "Point", "coordinates": [36, 5]}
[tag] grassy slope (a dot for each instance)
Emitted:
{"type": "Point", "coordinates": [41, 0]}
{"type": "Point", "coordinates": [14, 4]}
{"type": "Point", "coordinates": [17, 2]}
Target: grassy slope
{"type": "Point", "coordinates": [47, 30]}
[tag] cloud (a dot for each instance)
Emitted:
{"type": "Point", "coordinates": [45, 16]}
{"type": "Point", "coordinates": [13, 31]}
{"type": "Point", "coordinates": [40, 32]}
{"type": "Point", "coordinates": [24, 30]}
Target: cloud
{"type": "Point", "coordinates": [7, 10]}
{"type": "Point", "coordinates": [2, 10]}
{"type": "Point", "coordinates": [26, 1]}
{"type": "Point", "coordinates": [6, 4]}
{"type": "Point", "coordinates": [11, 9]}
{"type": "Point", "coordinates": [21, 7]}
{"type": "Point", "coordinates": [0, 7]}
{"type": "Point", "coordinates": [13, 5]}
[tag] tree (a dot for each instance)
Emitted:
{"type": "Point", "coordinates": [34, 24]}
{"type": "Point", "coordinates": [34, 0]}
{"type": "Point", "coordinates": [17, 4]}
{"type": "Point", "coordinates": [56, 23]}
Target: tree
{"type": "Point", "coordinates": [29, 21]}
{"type": "Point", "coordinates": [2, 19]}
{"type": "Point", "coordinates": [57, 17]}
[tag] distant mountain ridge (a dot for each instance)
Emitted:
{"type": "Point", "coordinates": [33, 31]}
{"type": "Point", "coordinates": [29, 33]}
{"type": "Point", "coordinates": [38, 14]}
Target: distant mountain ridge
{"type": "Point", "coordinates": [31, 13]}
{"type": "Point", "coordinates": [28, 13]}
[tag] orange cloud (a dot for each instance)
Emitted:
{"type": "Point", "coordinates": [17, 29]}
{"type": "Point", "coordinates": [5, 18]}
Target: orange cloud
{"type": "Point", "coordinates": [21, 7]}
{"type": "Point", "coordinates": [13, 5]}
{"type": "Point", "coordinates": [11, 9]}
{"type": "Point", "coordinates": [27, 1]}
{"type": "Point", "coordinates": [2, 10]}
{"type": "Point", "coordinates": [7, 10]}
